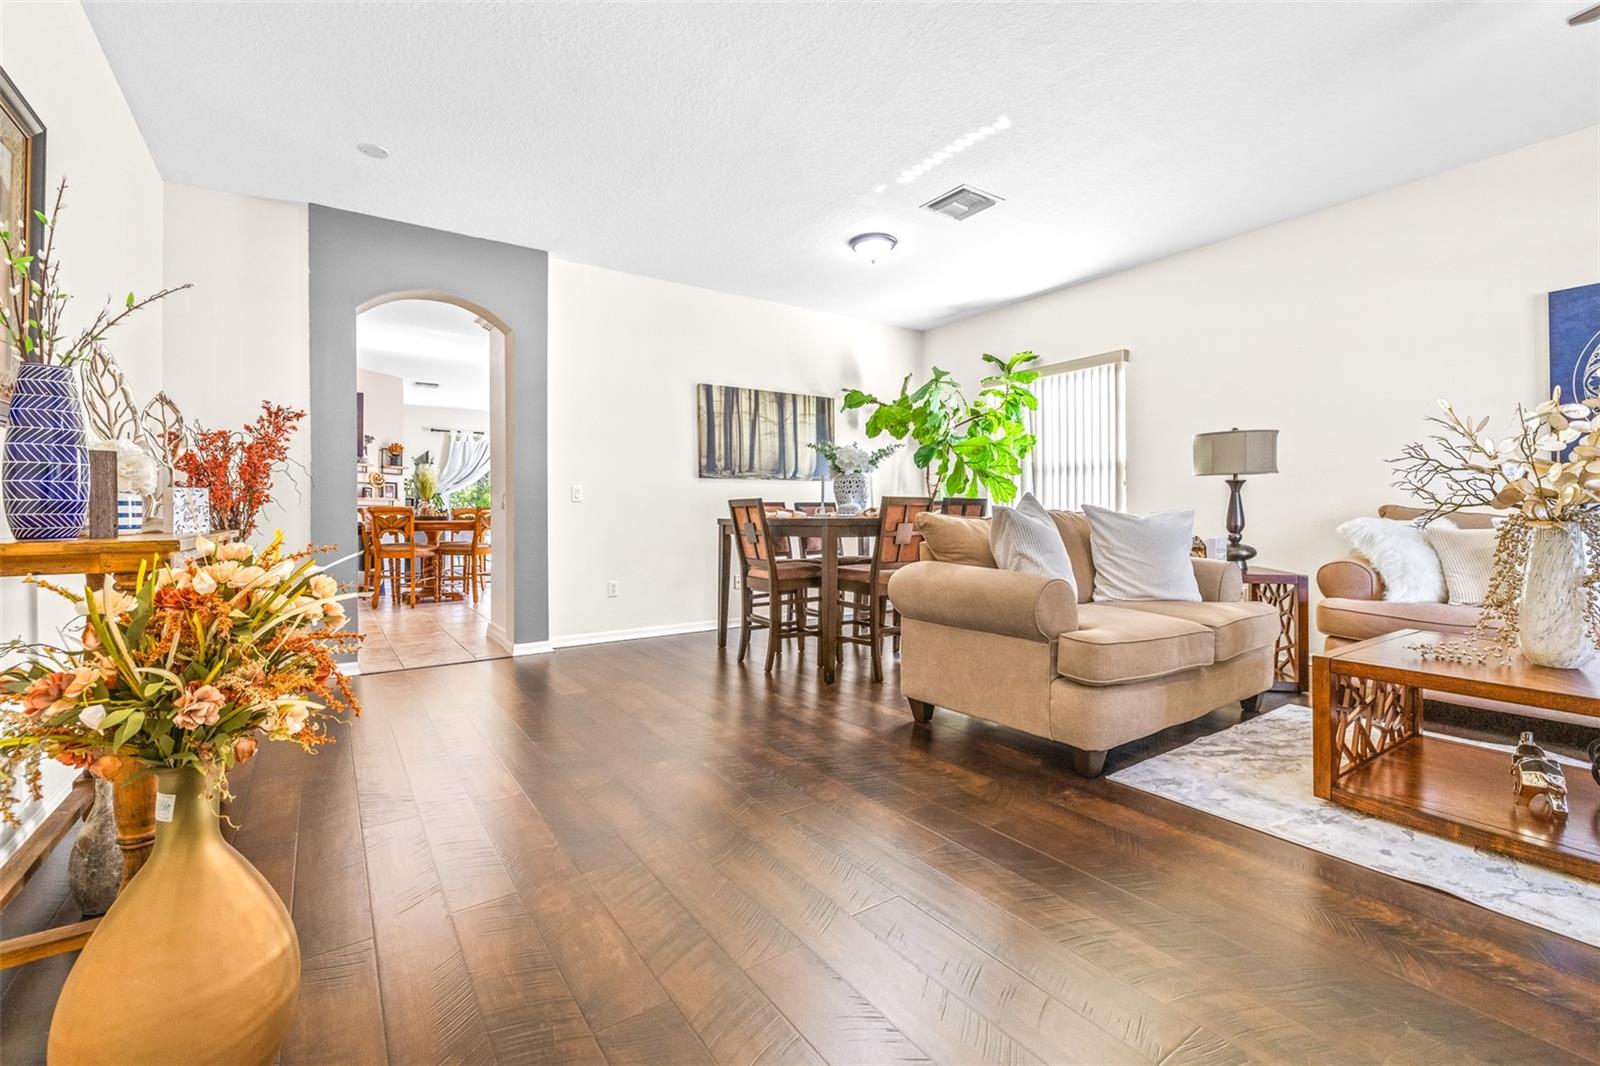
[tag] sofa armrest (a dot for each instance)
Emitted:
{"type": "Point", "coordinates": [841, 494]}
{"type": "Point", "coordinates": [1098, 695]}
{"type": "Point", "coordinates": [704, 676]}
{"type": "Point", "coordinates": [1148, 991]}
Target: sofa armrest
{"type": "Point", "coordinates": [1030, 606]}
{"type": "Point", "coordinates": [1349, 579]}
{"type": "Point", "coordinates": [1219, 580]}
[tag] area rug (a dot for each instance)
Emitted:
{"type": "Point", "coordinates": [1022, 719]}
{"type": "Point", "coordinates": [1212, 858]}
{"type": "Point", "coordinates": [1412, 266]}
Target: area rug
{"type": "Point", "coordinates": [1258, 774]}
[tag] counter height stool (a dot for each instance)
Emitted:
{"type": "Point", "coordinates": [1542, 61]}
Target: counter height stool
{"type": "Point", "coordinates": [784, 581]}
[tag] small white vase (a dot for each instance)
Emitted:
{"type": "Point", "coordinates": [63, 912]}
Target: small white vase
{"type": "Point", "coordinates": [850, 493]}
{"type": "Point", "coordinates": [1552, 624]}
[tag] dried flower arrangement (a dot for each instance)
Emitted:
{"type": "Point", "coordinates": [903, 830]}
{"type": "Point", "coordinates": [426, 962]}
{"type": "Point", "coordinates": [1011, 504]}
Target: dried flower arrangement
{"type": "Point", "coordinates": [194, 666]}
{"type": "Point", "coordinates": [32, 306]}
{"type": "Point", "coordinates": [1546, 476]}
{"type": "Point", "coordinates": [238, 466]}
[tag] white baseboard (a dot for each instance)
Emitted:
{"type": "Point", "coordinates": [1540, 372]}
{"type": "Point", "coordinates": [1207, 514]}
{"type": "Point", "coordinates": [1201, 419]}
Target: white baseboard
{"type": "Point", "coordinates": [511, 647]}
{"type": "Point", "coordinates": [575, 640]}
{"type": "Point", "coordinates": [349, 669]}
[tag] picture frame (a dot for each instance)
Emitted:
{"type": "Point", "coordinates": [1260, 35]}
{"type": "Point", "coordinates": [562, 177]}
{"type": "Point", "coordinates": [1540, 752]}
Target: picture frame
{"type": "Point", "coordinates": [22, 192]}
{"type": "Point", "coordinates": [758, 434]}
{"type": "Point", "coordinates": [391, 490]}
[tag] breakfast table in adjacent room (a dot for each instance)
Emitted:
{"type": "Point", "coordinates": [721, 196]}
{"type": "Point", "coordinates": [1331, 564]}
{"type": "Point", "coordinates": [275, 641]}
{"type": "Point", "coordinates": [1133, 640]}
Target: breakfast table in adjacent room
{"type": "Point", "coordinates": [829, 530]}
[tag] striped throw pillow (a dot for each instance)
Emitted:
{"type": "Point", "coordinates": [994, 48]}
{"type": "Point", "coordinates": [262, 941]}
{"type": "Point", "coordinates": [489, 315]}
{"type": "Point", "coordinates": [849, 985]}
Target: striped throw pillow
{"type": "Point", "coordinates": [1142, 557]}
{"type": "Point", "coordinates": [1024, 538]}
{"type": "Point", "coordinates": [1467, 558]}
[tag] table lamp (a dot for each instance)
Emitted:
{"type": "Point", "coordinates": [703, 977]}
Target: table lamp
{"type": "Point", "coordinates": [1234, 453]}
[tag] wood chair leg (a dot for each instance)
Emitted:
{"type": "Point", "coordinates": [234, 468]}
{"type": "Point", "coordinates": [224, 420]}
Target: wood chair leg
{"type": "Point", "coordinates": [375, 577]}
{"type": "Point", "coordinates": [746, 613]}
{"type": "Point", "coordinates": [875, 634]}
{"type": "Point", "coordinates": [774, 628]}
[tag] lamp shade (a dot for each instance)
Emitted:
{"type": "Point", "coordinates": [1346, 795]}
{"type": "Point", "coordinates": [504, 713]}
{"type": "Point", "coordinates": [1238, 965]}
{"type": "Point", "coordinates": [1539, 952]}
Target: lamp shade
{"type": "Point", "coordinates": [1236, 451]}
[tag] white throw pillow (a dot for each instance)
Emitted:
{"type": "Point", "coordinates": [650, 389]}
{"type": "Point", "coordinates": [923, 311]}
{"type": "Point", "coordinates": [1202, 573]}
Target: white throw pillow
{"type": "Point", "coordinates": [1467, 558]}
{"type": "Point", "coordinates": [1024, 538]}
{"type": "Point", "coordinates": [1142, 557]}
{"type": "Point", "coordinates": [1399, 551]}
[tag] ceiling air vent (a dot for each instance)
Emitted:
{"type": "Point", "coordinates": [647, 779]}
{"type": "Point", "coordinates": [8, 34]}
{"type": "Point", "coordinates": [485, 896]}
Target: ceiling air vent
{"type": "Point", "coordinates": [962, 202]}
{"type": "Point", "coordinates": [426, 384]}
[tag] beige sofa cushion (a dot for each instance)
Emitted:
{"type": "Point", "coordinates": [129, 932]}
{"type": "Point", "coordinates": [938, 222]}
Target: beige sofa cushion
{"type": "Point", "coordinates": [1030, 606]}
{"type": "Point", "coordinates": [1462, 519]}
{"type": "Point", "coordinates": [954, 539]}
{"type": "Point", "coordinates": [1360, 619]}
{"type": "Point", "coordinates": [1114, 646]}
{"type": "Point", "coordinates": [1237, 627]}
{"type": "Point", "coordinates": [1074, 529]}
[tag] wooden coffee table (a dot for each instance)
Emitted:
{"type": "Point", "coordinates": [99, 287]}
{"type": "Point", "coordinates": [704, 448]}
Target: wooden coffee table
{"type": "Point", "coordinates": [1370, 753]}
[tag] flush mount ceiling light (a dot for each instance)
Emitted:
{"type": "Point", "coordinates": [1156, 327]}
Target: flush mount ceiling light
{"type": "Point", "coordinates": [873, 246]}
{"type": "Point", "coordinates": [372, 151]}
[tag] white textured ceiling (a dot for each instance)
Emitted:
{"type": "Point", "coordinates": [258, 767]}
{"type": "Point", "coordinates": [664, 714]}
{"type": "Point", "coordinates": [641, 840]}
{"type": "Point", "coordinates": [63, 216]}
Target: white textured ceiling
{"type": "Point", "coordinates": [424, 340]}
{"type": "Point", "coordinates": [737, 146]}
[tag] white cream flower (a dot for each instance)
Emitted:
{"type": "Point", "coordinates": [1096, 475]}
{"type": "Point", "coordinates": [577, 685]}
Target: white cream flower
{"type": "Point", "coordinates": [109, 602]}
{"type": "Point", "coordinates": [247, 577]}
{"type": "Point", "coordinates": [235, 551]}
{"type": "Point", "coordinates": [92, 716]}
{"type": "Point", "coordinates": [322, 586]}
{"type": "Point", "coordinates": [222, 573]}
{"type": "Point", "coordinates": [204, 583]}
{"type": "Point", "coordinates": [204, 545]}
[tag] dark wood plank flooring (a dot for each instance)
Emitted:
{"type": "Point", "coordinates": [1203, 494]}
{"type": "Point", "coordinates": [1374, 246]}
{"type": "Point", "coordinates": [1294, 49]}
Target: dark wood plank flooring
{"type": "Point", "coordinates": [642, 852]}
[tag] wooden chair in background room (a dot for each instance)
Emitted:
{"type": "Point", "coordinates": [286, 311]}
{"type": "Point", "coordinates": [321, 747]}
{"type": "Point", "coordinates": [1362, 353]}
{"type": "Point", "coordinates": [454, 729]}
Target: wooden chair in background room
{"type": "Point", "coordinates": [782, 548]}
{"type": "Point", "coordinates": [965, 506]}
{"type": "Point", "coordinates": [867, 584]}
{"type": "Point", "coordinates": [785, 582]}
{"type": "Point", "coordinates": [369, 559]}
{"type": "Point", "coordinates": [485, 542]}
{"type": "Point", "coordinates": [471, 552]}
{"type": "Point", "coordinates": [811, 547]}
{"type": "Point", "coordinates": [400, 523]}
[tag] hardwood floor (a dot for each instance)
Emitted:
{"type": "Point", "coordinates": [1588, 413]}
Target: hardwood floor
{"type": "Point", "coordinates": [641, 852]}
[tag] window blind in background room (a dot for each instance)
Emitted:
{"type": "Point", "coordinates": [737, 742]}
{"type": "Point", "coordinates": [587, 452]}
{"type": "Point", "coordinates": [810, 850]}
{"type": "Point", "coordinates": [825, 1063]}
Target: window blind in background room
{"type": "Point", "coordinates": [1081, 425]}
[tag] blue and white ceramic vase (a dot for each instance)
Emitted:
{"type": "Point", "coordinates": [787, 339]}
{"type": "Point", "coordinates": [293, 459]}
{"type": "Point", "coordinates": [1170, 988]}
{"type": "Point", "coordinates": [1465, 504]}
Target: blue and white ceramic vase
{"type": "Point", "coordinates": [45, 475]}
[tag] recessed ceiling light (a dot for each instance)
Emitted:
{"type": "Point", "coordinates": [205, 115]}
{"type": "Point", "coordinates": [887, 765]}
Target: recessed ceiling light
{"type": "Point", "coordinates": [373, 151]}
{"type": "Point", "coordinates": [873, 246]}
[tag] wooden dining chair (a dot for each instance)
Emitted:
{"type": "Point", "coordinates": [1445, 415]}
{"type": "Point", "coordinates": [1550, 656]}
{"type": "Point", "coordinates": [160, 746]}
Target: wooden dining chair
{"type": "Point", "coordinates": [811, 547]}
{"type": "Point", "coordinates": [781, 546]}
{"type": "Point", "coordinates": [865, 586]}
{"type": "Point", "coordinates": [965, 506]}
{"type": "Point", "coordinates": [400, 523]}
{"type": "Point", "coordinates": [369, 558]}
{"type": "Point", "coordinates": [469, 553]}
{"type": "Point", "coordinates": [784, 581]}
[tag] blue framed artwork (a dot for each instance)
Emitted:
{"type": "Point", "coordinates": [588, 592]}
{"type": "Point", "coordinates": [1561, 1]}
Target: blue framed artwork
{"type": "Point", "coordinates": [1575, 342]}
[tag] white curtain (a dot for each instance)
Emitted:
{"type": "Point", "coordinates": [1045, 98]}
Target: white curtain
{"type": "Point", "coordinates": [1082, 451]}
{"type": "Point", "coordinates": [463, 459]}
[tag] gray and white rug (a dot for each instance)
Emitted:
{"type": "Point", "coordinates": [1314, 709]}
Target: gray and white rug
{"type": "Point", "coordinates": [1258, 774]}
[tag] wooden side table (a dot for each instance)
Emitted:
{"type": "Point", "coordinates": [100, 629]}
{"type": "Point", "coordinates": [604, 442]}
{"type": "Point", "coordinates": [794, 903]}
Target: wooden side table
{"type": "Point", "coordinates": [1288, 592]}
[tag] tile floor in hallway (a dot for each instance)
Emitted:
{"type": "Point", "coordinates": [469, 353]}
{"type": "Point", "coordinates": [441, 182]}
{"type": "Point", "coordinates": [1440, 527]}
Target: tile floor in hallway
{"type": "Point", "coordinates": [430, 634]}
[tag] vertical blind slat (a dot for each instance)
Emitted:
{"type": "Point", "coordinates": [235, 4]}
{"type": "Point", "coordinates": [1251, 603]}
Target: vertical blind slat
{"type": "Point", "coordinates": [1082, 439]}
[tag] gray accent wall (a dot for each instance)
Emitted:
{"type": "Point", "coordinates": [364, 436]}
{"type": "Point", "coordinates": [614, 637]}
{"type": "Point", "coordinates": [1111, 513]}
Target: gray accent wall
{"type": "Point", "coordinates": [357, 261]}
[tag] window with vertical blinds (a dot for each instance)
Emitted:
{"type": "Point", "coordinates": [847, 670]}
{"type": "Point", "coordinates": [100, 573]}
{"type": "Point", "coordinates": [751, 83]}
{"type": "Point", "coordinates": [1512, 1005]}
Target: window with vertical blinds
{"type": "Point", "coordinates": [1081, 425]}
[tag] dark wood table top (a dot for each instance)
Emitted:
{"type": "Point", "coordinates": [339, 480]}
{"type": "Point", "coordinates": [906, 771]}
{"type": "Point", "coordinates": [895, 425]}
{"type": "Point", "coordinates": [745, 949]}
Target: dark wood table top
{"type": "Point", "coordinates": [1394, 657]}
{"type": "Point", "coordinates": [807, 524]}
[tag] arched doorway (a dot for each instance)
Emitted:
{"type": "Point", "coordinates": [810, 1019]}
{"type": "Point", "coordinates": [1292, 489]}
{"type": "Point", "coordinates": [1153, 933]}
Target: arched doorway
{"type": "Point", "coordinates": [430, 390]}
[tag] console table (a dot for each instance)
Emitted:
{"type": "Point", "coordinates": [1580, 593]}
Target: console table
{"type": "Point", "coordinates": [1370, 754]}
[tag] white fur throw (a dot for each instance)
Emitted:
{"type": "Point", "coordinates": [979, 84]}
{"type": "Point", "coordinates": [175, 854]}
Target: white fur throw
{"type": "Point", "coordinates": [1399, 551]}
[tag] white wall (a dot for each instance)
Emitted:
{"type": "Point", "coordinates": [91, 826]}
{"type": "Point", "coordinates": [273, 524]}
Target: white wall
{"type": "Point", "coordinates": [383, 411]}
{"type": "Point", "coordinates": [109, 242]}
{"type": "Point", "coordinates": [1339, 328]}
{"type": "Point", "coordinates": [419, 417]}
{"type": "Point", "coordinates": [239, 336]}
{"type": "Point", "coordinates": [625, 355]}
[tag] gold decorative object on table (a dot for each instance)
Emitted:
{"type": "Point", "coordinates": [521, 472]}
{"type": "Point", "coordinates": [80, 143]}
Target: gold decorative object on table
{"type": "Point", "coordinates": [1535, 774]}
{"type": "Point", "coordinates": [181, 676]}
{"type": "Point", "coordinates": [199, 928]}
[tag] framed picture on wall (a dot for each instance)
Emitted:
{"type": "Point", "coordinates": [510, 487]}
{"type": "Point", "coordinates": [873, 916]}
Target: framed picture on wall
{"type": "Point", "coordinates": [757, 434]}
{"type": "Point", "coordinates": [22, 192]}
{"type": "Point", "coordinates": [391, 491]}
{"type": "Point", "coordinates": [1575, 342]}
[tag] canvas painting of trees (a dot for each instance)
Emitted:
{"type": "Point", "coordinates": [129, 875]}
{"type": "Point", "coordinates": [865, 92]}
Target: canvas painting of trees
{"type": "Point", "coordinates": [756, 434]}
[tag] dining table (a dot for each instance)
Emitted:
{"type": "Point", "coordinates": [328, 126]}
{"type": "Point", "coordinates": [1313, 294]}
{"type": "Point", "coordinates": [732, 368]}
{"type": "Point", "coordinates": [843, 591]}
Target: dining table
{"type": "Point", "coordinates": [829, 530]}
{"type": "Point", "coordinates": [432, 529]}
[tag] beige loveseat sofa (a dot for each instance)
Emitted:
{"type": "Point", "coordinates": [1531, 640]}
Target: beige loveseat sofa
{"type": "Point", "coordinates": [1023, 651]}
{"type": "Point", "coordinates": [1352, 607]}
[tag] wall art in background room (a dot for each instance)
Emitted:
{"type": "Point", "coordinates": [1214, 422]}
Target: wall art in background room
{"type": "Point", "coordinates": [21, 194]}
{"type": "Point", "coordinates": [753, 433]}
{"type": "Point", "coordinates": [1575, 342]}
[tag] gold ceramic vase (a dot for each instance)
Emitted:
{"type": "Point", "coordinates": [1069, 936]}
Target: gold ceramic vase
{"type": "Point", "coordinates": [196, 962]}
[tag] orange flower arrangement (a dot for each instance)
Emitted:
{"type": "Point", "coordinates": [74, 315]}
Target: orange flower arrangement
{"type": "Point", "coordinates": [193, 667]}
{"type": "Point", "coordinates": [237, 467]}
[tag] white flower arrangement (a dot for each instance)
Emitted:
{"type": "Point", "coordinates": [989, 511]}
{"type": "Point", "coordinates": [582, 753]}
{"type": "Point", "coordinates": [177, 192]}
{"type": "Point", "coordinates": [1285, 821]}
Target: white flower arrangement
{"type": "Point", "coordinates": [136, 471]}
{"type": "Point", "coordinates": [851, 458]}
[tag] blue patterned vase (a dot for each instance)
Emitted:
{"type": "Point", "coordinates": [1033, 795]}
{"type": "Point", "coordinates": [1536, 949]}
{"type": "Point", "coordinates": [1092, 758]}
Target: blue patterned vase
{"type": "Point", "coordinates": [45, 476]}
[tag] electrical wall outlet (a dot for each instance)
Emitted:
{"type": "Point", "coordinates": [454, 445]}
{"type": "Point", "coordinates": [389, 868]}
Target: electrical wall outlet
{"type": "Point", "coordinates": [577, 494]}
{"type": "Point", "coordinates": [611, 589]}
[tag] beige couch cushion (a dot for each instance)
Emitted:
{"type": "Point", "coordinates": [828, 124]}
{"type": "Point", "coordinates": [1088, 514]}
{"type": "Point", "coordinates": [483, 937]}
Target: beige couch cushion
{"type": "Point", "coordinates": [1113, 646]}
{"type": "Point", "coordinates": [954, 539]}
{"type": "Point", "coordinates": [1360, 619]}
{"type": "Point", "coordinates": [1238, 627]}
{"type": "Point", "coordinates": [1074, 529]}
{"type": "Point", "coordinates": [1031, 606]}
{"type": "Point", "coordinates": [1462, 519]}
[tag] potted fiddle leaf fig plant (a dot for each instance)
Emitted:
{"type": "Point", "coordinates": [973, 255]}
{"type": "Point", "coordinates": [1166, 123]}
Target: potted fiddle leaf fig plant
{"type": "Point", "coordinates": [962, 444]}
